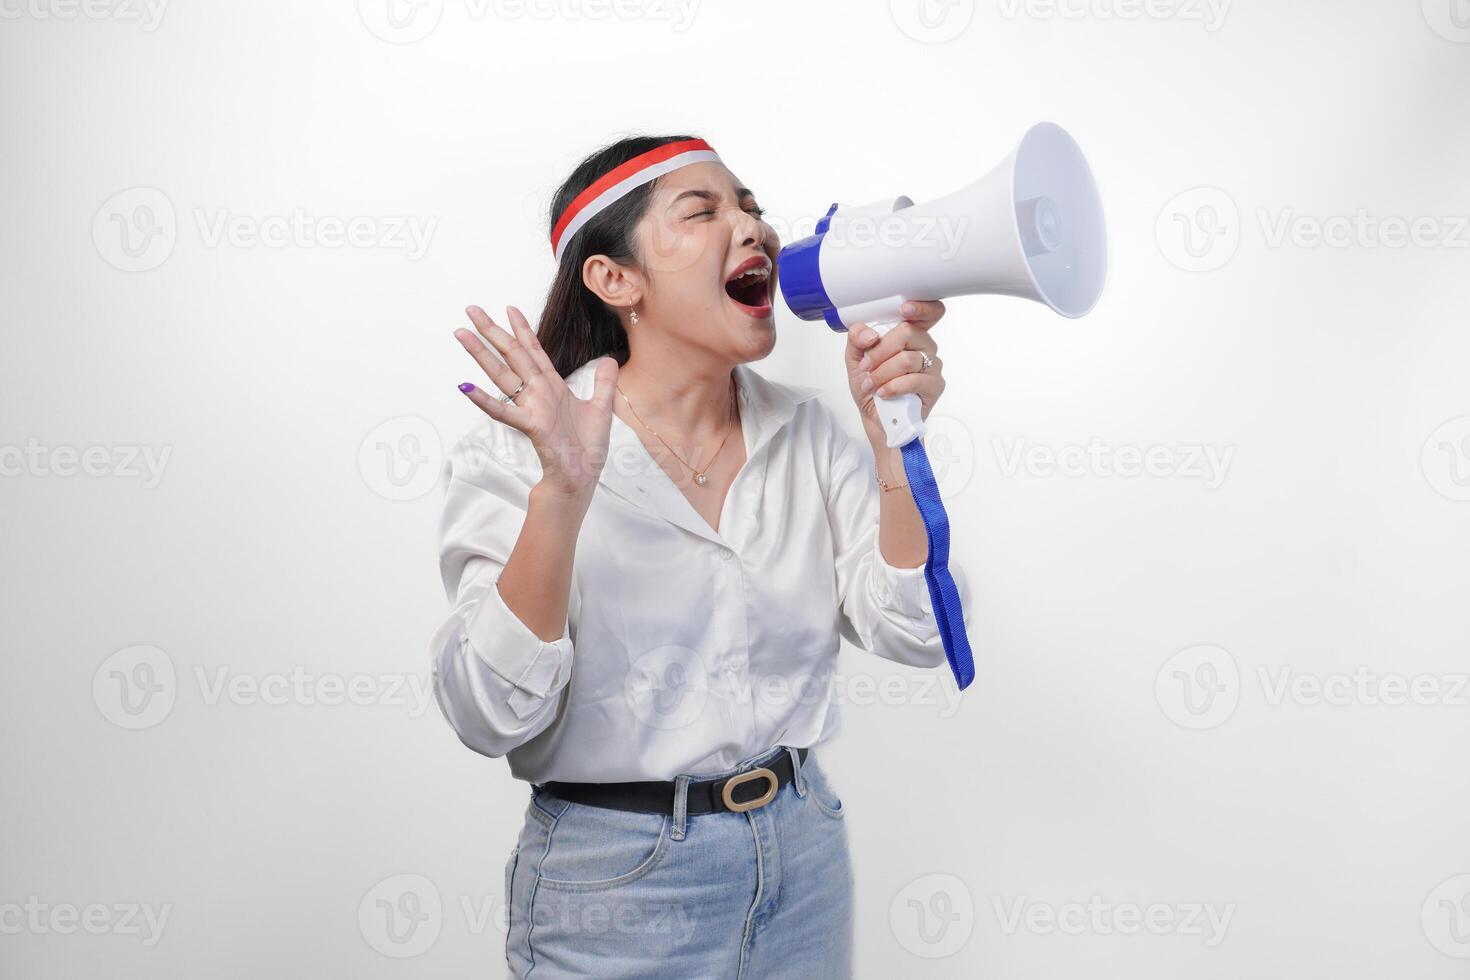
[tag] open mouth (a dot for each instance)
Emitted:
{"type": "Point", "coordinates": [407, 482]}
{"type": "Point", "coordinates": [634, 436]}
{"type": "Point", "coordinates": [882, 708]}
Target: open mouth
{"type": "Point", "coordinates": [750, 286]}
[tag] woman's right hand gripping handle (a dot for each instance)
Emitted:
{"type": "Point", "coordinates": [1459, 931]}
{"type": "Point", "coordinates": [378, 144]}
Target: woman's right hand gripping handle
{"type": "Point", "coordinates": [570, 436]}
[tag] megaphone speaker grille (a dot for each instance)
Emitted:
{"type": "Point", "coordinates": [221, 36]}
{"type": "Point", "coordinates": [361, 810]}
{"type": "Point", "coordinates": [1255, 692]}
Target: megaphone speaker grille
{"type": "Point", "coordinates": [1059, 219]}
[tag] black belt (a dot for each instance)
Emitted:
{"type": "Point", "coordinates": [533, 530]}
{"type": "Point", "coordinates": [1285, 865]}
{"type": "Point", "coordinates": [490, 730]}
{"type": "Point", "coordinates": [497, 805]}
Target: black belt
{"type": "Point", "coordinates": [755, 787]}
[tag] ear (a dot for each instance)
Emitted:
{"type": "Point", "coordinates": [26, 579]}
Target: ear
{"type": "Point", "coordinates": [619, 286]}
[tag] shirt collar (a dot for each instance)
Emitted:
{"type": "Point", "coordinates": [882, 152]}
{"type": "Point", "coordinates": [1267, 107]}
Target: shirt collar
{"type": "Point", "coordinates": [765, 407]}
{"type": "Point", "coordinates": [765, 404]}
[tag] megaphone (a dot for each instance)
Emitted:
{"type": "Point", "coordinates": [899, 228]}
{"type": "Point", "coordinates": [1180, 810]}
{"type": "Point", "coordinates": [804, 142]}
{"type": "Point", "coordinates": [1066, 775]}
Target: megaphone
{"type": "Point", "coordinates": [1032, 227]}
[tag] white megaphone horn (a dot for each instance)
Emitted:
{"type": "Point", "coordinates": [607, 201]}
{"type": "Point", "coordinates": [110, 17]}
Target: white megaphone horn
{"type": "Point", "coordinates": [1032, 227]}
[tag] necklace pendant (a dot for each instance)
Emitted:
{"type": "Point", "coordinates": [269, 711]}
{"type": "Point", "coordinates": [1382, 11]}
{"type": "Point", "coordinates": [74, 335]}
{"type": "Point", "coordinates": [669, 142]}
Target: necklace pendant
{"type": "Point", "coordinates": [701, 479]}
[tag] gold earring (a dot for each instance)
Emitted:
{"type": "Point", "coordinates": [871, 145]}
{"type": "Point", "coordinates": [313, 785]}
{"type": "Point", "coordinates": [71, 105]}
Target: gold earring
{"type": "Point", "coordinates": [633, 312]}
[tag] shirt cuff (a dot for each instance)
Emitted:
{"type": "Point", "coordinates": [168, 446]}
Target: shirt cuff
{"type": "Point", "coordinates": [536, 668]}
{"type": "Point", "coordinates": [904, 591]}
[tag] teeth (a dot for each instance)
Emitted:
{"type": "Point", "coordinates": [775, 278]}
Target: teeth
{"type": "Point", "coordinates": [760, 273]}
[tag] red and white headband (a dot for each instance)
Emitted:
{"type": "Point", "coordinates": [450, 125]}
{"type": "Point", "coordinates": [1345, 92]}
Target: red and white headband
{"type": "Point", "coordinates": [606, 190]}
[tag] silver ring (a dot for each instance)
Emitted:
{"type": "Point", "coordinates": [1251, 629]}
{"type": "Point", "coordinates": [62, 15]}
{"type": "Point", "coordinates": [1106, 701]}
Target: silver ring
{"type": "Point", "coordinates": [928, 361]}
{"type": "Point", "coordinates": [512, 396]}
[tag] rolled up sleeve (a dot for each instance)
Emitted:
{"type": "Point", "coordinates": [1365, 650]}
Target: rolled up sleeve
{"type": "Point", "coordinates": [885, 609]}
{"type": "Point", "coordinates": [497, 682]}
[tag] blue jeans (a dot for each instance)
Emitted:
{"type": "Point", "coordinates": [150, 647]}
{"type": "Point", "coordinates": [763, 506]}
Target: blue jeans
{"type": "Point", "coordinates": [603, 893]}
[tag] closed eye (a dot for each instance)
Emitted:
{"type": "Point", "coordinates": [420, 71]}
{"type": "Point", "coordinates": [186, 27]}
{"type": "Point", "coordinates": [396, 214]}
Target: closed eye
{"type": "Point", "coordinates": [758, 212]}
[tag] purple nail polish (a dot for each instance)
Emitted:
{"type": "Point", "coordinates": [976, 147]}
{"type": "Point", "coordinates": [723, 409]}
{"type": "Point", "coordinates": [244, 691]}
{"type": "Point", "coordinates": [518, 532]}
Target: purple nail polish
{"type": "Point", "coordinates": [466, 387]}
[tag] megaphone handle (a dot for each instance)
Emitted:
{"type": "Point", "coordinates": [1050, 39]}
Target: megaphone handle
{"type": "Point", "coordinates": [903, 416]}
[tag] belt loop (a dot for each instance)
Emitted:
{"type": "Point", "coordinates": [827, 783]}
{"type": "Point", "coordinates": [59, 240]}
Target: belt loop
{"type": "Point", "coordinates": [796, 774]}
{"type": "Point", "coordinates": [681, 805]}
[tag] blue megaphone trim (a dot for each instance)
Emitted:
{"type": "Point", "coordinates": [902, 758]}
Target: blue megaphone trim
{"type": "Point", "coordinates": [825, 221]}
{"type": "Point", "coordinates": [801, 277]}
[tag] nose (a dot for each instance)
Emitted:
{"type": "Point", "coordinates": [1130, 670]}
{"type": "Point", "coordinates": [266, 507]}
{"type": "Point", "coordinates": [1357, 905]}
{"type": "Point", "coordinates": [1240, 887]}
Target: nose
{"type": "Point", "coordinates": [750, 230]}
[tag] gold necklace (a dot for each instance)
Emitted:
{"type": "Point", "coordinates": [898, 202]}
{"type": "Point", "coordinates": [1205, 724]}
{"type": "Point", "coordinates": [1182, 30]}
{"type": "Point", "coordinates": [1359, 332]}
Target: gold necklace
{"type": "Point", "coordinates": [699, 478]}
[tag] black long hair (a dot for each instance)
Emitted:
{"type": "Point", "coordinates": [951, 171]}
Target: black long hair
{"type": "Point", "coordinates": [575, 324]}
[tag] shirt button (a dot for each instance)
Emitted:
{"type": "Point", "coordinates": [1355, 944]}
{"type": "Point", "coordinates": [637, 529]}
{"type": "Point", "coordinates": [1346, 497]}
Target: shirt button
{"type": "Point", "coordinates": [726, 554]}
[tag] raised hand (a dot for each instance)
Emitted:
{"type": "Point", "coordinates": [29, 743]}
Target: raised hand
{"type": "Point", "coordinates": [570, 434]}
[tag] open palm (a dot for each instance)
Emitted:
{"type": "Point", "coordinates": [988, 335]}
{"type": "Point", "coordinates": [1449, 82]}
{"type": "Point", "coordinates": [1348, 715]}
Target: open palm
{"type": "Point", "coordinates": [570, 434]}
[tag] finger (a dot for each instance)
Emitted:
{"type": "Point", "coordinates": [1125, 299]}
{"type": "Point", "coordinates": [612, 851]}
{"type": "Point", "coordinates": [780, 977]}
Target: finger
{"type": "Point", "coordinates": [926, 386]}
{"type": "Point", "coordinates": [495, 369]}
{"type": "Point", "coordinates": [530, 341]}
{"type": "Point", "coordinates": [859, 337]}
{"type": "Point", "coordinates": [904, 336]}
{"type": "Point", "coordinates": [603, 382]}
{"type": "Point", "coordinates": [906, 362]}
{"type": "Point", "coordinates": [507, 412]}
{"type": "Point", "coordinates": [506, 345]}
{"type": "Point", "coordinates": [923, 313]}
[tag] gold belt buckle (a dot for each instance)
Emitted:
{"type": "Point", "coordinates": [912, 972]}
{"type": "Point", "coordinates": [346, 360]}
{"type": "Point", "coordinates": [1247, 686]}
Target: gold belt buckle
{"type": "Point", "coordinates": [745, 777]}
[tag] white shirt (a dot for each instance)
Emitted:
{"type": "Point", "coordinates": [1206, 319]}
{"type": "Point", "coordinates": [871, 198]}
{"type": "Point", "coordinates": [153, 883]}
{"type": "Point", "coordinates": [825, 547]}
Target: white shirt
{"type": "Point", "coordinates": [686, 650]}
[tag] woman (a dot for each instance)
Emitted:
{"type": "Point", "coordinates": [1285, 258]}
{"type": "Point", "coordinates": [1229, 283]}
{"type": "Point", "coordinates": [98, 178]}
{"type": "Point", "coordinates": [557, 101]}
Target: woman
{"type": "Point", "coordinates": [652, 551]}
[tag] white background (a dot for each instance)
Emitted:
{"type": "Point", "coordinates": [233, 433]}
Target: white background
{"type": "Point", "coordinates": [1127, 743]}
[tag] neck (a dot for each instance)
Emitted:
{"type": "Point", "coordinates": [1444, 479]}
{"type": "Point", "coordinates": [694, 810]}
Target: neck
{"type": "Point", "coordinates": [677, 395]}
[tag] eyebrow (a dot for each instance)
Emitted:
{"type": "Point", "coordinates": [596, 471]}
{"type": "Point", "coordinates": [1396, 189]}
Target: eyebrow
{"type": "Point", "coordinates": [740, 192]}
